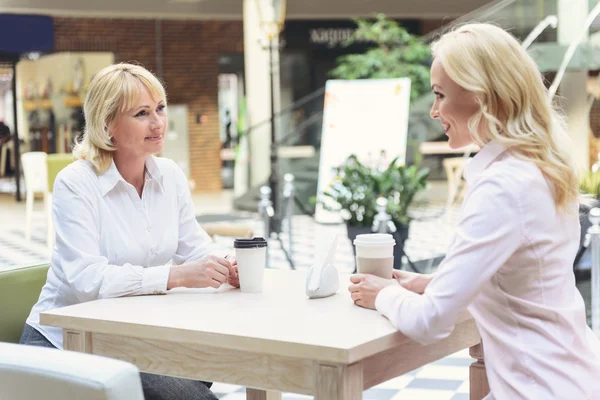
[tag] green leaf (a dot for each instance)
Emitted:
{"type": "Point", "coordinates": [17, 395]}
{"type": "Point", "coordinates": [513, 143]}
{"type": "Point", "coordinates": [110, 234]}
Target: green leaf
{"type": "Point", "coordinates": [356, 188]}
{"type": "Point", "coordinates": [393, 53]}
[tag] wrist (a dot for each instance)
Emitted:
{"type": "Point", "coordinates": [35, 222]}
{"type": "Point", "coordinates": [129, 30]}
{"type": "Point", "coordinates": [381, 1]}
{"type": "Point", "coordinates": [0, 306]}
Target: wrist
{"type": "Point", "coordinates": [429, 277]}
{"type": "Point", "coordinates": [176, 277]}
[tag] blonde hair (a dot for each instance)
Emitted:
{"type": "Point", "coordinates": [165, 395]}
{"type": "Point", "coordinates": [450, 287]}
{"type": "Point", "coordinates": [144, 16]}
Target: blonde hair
{"type": "Point", "coordinates": [112, 91]}
{"type": "Point", "coordinates": [514, 106]}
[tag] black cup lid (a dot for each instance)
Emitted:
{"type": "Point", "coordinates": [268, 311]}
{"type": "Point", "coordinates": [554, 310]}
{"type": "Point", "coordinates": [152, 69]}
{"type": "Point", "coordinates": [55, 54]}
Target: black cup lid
{"type": "Point", "coordinates": [253, 243]}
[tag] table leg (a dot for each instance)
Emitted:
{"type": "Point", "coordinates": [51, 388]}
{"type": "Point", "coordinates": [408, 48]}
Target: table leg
{"type": "Point", "coordinates": [477, 375]}
{"type": "Point", "coordinates": [340, 382]}
{"type": "Point", "coordinates": [80, 341]}
{"type": "Point", "coordinates": [257, 394]}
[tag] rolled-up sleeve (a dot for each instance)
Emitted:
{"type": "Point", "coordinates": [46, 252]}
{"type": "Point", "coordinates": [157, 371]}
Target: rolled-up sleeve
{"type": "Point", "coordinates": [489, 232]}
{"type": "Point", "coordinates": [78, 253]}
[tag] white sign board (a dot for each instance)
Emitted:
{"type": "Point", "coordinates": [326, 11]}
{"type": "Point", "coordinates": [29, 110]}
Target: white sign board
{"type": "Point", "coordinates": [361, 117]}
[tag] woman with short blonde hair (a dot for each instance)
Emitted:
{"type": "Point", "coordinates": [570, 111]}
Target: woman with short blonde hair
{"type": "Point", "coordinates": [112, 91]}
{"type": "Point", "coordinates": [511, 262]}
{"type": "Point", "coordinates": [124, 218]}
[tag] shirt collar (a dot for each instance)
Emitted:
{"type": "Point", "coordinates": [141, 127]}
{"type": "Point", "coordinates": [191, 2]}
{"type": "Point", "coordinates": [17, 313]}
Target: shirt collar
{"type": "Point", "coordinates": [487, 155]}
{"type": "Point", "coordinates": [111, 177]}
{"type": "Point", "coordinates": [153, 172]}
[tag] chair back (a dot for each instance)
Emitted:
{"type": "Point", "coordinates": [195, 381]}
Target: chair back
{"type": "Point", "coordinates": [55, 163]}
{"type": "Point", "coordinates": [19, 290]}
{"type": "Point", "coordinates": [33, 373]}
{"type": "Point", "coordinates": [35, 171]}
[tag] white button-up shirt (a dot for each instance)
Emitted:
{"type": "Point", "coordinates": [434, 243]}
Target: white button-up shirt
{"type": "Point", "coordinates": [511, 265]}
{"type": "Point", "coordinates": [110, 242]}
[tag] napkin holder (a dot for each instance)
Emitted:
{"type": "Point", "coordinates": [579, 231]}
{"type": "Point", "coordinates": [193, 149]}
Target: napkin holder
{"type": "Point", "coordinates": [322, 279]}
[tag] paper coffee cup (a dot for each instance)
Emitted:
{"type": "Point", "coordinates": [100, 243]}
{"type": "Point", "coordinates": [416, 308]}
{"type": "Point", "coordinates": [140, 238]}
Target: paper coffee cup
{"type": "Point", "coordinates": [251, 260]}
{"type": "Point", "coordinates": [375, 254]}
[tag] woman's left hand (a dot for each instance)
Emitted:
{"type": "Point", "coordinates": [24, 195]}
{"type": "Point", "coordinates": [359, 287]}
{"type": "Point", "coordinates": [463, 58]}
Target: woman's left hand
{"type": "Point", "coordinates": [234, 280]}
{"type": "Point", "coordinates": [365, 289]}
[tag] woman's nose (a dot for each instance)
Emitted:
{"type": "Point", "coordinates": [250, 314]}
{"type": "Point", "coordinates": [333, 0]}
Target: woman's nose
{"type": "Point", "coordinates": [157, 122]}
{"type": "Point", "coordinates": [433, 113]}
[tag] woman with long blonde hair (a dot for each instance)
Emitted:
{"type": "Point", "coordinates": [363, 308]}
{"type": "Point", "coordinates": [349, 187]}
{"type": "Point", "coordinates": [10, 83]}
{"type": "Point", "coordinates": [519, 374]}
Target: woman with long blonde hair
{"type": "Point", "coordinates": [511, 261]}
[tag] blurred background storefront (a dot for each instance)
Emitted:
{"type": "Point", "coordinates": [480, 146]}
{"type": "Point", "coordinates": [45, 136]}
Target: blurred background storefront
{"type": "Point", "coordinates": [211, 55]}
{"type": "Point", "coordinates": [197, 49]}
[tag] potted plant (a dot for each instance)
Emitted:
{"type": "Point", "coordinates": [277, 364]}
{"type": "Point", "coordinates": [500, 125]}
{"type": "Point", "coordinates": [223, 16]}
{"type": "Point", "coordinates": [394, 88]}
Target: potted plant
{"type": "Point", "coordinates": [393, 53]}
{"type": "Point", "coordinates": [357, 186]}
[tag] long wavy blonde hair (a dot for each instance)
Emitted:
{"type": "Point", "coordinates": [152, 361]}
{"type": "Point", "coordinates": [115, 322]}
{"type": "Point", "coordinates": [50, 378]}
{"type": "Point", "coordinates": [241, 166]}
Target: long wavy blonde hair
{"type": "Point", "coordinates": [112, 91]}
{"type": "Point", "coordinates": [514, 106]}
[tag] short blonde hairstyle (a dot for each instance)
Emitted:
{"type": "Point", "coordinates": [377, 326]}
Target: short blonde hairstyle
{"type": "Point", "coordinates": [514, 106]}
{"type": "Point", "coordinates": [113, 90]}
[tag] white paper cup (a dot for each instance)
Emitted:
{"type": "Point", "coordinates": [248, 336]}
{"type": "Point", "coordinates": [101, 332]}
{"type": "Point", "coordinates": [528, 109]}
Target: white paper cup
{"type": "Point", "coordinates": [251, 260]}
{"type": "Point", "coordinates": [375, 254]}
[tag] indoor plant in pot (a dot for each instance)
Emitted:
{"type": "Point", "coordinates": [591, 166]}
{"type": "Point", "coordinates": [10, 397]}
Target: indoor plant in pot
{"type": "Point", "coordinates": [357, 186]}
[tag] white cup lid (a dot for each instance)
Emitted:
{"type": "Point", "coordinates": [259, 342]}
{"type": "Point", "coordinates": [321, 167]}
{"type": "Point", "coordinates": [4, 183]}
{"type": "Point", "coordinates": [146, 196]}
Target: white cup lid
{"type": "Point", "coordinates": [375, 239]}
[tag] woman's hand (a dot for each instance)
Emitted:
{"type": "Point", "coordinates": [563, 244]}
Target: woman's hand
{"type": "Point", "coordinates": [234, 279]}
{"type": "Point", "coordinates": [209, 271]}
{"type": "Point", "coordinates": [365, 289]}
{"type": "Point", "coordinates": [412, 281]}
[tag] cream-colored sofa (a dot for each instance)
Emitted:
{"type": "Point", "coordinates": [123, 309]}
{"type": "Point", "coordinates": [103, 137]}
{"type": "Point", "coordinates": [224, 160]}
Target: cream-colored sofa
{"type": "Point", "coordinates": [36, 373]}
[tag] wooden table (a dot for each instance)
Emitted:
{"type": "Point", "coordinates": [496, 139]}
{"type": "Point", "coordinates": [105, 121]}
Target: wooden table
{"type": "Point", "coordinates": [271, 342]}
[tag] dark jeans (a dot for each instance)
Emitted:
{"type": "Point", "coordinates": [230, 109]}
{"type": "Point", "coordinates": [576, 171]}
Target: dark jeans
{"type": "Point", "coordinates": [156, 387]}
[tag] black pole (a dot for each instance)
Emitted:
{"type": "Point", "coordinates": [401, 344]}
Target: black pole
{"type": "Point", "coordinates": [16, 142]}
{"type": "Point", "coordinates": [273, 178]}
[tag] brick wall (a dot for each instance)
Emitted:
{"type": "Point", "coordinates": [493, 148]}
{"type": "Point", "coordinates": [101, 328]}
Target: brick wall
{"type": "Point", "coordinates": [190, 68]}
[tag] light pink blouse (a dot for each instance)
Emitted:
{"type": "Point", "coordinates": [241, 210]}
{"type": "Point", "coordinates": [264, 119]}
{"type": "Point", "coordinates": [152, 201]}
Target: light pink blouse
{"type": "Point", "coordinates": [511, 265]}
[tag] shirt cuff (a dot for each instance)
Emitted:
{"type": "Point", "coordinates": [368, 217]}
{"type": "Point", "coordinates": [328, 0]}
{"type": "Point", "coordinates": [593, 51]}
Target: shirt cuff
{"type": "Point", "coordinates": [155, 279]}
{"type": "Point", "coordinates": [389, 299]}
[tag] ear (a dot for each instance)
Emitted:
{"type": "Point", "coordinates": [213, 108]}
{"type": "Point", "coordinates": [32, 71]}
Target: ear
{"type": "Point", "coordinates": [110, 136]}
{"type": "Point", "coordinates": [109, 128]}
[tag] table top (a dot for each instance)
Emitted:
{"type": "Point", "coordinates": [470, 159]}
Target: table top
{"type": "Point", "coordinates": [281, 320]}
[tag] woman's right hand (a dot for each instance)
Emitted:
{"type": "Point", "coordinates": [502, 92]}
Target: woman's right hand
{"type": "Point", "coordinates": [209, 271]}
{"type": "Point", "coordinates": [412, 281]}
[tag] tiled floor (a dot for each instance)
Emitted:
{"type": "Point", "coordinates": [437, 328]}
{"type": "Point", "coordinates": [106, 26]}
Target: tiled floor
{"type": "Point", "coordinates": [446, 379]}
